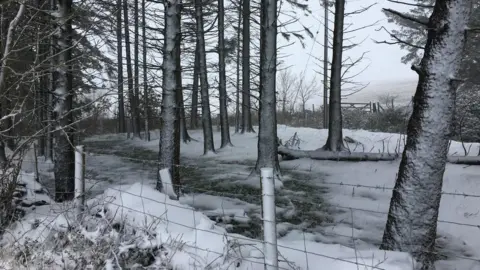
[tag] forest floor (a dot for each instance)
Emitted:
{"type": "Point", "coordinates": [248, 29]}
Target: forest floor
{"type": "Point", "coordinates": [323, 201]}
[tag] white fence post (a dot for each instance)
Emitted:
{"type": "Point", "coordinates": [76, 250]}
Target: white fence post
{"type": "Point", "coordinates": [79, 180]}
{"type": "Point", "coordinates": [269, 221]}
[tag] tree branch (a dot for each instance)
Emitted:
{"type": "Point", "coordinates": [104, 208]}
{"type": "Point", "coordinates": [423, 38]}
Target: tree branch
{"type": "Point", "coordinates": [410, 4]}
{"type": "Point", "coordinates": [406, 17]}
{"type": "Point", "coordinates": [398, 40]}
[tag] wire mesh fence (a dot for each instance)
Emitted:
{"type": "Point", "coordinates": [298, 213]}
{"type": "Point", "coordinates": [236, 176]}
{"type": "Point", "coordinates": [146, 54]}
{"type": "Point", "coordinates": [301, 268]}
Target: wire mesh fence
{"type": "Point", "coordinates": [218, 213]}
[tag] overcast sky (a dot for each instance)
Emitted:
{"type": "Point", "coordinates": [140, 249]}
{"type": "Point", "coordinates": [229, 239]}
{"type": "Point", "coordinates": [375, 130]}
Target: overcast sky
{"type": "Point", "coordinates": [384, 65]}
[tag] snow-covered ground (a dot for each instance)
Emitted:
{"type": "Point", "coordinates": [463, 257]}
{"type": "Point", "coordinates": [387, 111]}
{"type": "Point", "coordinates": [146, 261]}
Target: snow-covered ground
{"type": "Point", "coordinates": [336, 211]}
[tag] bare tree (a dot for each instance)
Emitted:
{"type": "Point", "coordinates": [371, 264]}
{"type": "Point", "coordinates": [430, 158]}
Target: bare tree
{"type": "Point", "coordinates": [237, 86]}
{"type": "Point", "coordinates": [168, 142]}
{"type": "Point", "coordinates": [246, 102]}
{"type": "Point", "coordinates": [5, 118]}
{"type": "Point", "coordinates": [335, 136]}
{"type": "Point", "coordinates": [208, 144]}
{"type": "Point", "coordinates": [222, 88]}
{"type": "Point", "coordinates": [121, 106]}
{"type": "Point", "coordinates": [146, 93]}
{"type": "Point", "coordinates": [194, 110]}
{"type": "Point", "coordinates": [131, 90]}
{"type": "Point", "coordinates": [326, 4]}
{"type": "Point", "coordinates": [413, 213]}
{"type": "Point", "coordinates": [305, 92]}
{"type": "Point", "coordinates": [64, 148]}
{"type": "Point", "coordinates": [285, 89]}
{"type": "Point", "coordinates": [267, 134]}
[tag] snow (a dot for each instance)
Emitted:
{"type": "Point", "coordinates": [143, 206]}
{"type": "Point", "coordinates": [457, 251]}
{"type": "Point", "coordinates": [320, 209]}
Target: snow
{"type": "Point", "coordinates": [195, 241]}
{"type": "Point", "coordinates": [357, 198]}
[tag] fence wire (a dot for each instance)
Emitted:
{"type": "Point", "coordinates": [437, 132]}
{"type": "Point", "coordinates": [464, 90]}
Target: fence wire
{"type": "Point", "coordinates": [248, 199]}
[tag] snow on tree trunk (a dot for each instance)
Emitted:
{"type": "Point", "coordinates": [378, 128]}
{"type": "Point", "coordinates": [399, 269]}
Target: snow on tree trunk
{"type": "Point", "coordinates": [267, 132]}
{"type": "Point", "coordinates": [208, 145]}
{"type": "Point", "coordinates": [246, 103]}
{"type": "Point", "coordinates": [335, 136]}
{"type": "Point", "coordinates": [5, 124]}
{"type": "Point", "coordinates": [222, 87]}
{"type": "Point", "coordinates": [64, 167]}
{"type": "Point", "coordinates": [51, 88]}
{"type": "Point", "coordinates": [168, 133]}
{"type": "Point", "coordinates": [194, 111]}
{"type": "Point", "coordinates": [121, 106]}
{"type": "Point", "coordinates": [413, 214]}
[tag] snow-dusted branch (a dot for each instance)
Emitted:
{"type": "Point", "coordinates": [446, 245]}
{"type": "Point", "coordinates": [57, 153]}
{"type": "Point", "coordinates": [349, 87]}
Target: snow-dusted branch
{"type": "Point", "coordinates": [406, 17]}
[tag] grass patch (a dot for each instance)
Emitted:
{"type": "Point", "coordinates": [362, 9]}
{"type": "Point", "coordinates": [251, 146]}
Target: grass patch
{"type": "Point", "coordinates": [302, 202]}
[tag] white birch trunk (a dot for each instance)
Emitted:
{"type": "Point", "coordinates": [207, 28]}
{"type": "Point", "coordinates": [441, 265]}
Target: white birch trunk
{"type": "Point", "coordinates": [413, 214]}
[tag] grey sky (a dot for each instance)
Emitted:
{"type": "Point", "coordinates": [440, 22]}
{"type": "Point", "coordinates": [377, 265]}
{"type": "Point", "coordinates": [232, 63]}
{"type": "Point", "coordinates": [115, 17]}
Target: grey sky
{"type": "Point", "coordinates": [384, 66]}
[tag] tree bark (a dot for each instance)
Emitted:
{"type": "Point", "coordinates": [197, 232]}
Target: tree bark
{"type": "Point", "coordinates": [222, 88]}
{"type": "Point", "coordinates": [330, 155]}
{"type": "Point", "coordinates": [194, 110]}
{"type": "Point", "coordinates": [136, 67]}
{"type": "Point", "coordinates": [185, 137]}
{"type": "Point", "coordinates": [208, 144]}
{"type": "Point", "coordinates": [121, 105]}
{"type": "Point", "coordinates": [325, 66]}
{"type": "Point", "coordinates": [413, 213]}
{"type": "Point", "coordinates": [131, 90]}
{"type": "Point", "coordinates": [168, 143]}
{"type": "Point", "coordinates": [6, 124]}
{"type": "Point", "coordinates": [40, 82]}
{"type": "Point", "coordinates": [246, 103]}
{"type": "Point", "coordinates": [64, 167]}
{"type": "Point", "coordinates": [52, 84]}
{"type": "Point", "coordinates": [335, 136]}
{"type": "Point", "coordinates": [267, 131]}
{"type": "Point", "coordinates": [237, 104]}
{"type": "Point", "coordinates": [146, 94]}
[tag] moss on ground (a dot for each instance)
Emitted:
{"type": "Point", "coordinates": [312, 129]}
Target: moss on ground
{"type": "Point", "coordinates": [300, 194]}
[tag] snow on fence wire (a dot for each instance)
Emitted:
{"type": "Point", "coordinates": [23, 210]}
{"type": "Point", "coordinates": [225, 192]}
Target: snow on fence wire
{"type": "Point", "coordinates": [219, 207]}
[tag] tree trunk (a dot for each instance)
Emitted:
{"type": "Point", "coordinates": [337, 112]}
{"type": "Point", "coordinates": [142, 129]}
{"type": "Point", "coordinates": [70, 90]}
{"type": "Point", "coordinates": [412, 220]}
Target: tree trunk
{"type": "Point", "coordinates": [131, 90]}
{"type": "Point", "coordinates": [136, 67]}
{"type": "Point", "coordinates": [335, 136]}
{"type": "Point", "coordinates": [52, 84]}
{"type": "Point", "coordinates": [413, 213]}
{"type": "Point", "coordinates": [237, 104]}
{"type": "Point", "coordinates": [40, 83]}
{"type": "Point", "coordinates": [320, 154]}
{"type": "Point", "coordinates": [246, 104]}
{"type": "Point", "coordinates": [325, 66]}
{"type": "Point", "coordinates": [208, 144]}
{"type": "Point", "coordinates": [64, 150]}
{"type": "Point", "coordinates": [267, 131]}
{"type": "Point", "coordinates": [168, 143]}
{"type": "Point", "coordinates": [222, 87]}
{"type": "Point", "coordinates": [6, 124]}
{"type": "Point", "coordinates": [185, 137]}
{"type": "Point", "coordinates": [145, 78]}
{"type": "Point", "coordinates": [194, 111]}
{"type": "Point", "coordinates": [121, 106]}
